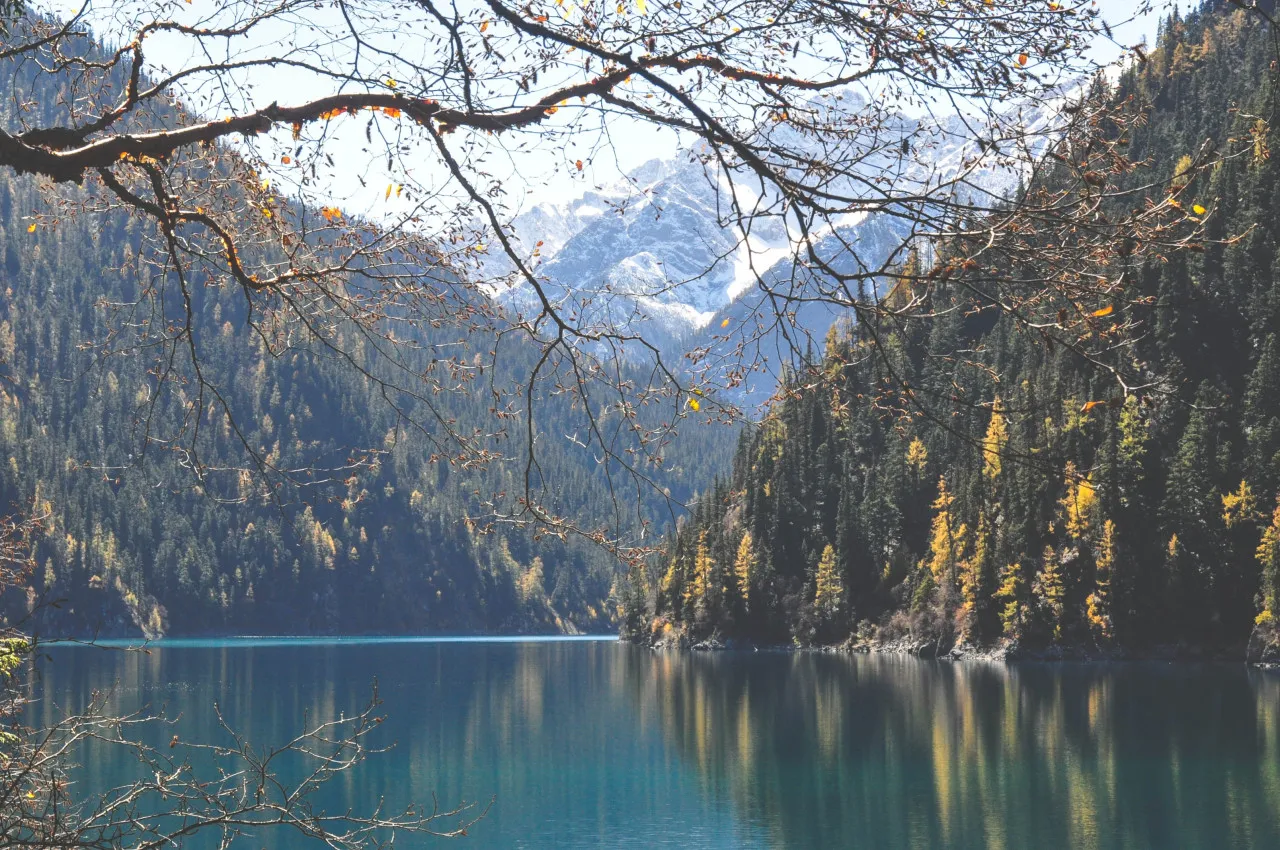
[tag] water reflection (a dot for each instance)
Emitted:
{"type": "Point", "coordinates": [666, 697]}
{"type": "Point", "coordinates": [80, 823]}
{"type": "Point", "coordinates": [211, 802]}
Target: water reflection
{"type": "Point", "coordinates": [832, 751]}
{"type": "Point", "coordinates": [599, 744]}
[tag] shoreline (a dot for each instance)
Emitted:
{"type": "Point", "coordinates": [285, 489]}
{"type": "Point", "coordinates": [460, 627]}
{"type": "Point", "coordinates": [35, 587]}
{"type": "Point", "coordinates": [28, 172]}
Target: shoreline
{"type": "Point", "coordinates": [999, 653]}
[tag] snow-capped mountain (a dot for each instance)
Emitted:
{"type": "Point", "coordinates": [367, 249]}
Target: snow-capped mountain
{"type": "Point", "coordinates": [665, 253]}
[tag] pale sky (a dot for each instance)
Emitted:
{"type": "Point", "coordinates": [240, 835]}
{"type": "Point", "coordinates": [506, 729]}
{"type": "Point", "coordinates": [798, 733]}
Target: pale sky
{"type": "Point", "coordinates": [541, 172]}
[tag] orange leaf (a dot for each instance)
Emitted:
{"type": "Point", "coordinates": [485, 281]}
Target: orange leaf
{"type": "Point", "coordinates": [1091, 405]}
{"type": "Point", "coordinates": [725, 323]}
{"type": "Point", "coordinates": [286, 160]}
{"type": "Point", "coordinates": [1023, 59]}
{"type": "Point", "coordinates": [579, 164]}
{"type": "Point", "coordinates": [1105, 311]}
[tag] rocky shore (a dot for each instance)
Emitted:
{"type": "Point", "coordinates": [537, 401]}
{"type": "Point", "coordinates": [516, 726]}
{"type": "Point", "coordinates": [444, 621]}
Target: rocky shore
{"type": "Point", "coordinates": [1004, 651]}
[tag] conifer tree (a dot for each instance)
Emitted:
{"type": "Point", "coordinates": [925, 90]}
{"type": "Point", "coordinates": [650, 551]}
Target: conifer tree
{"type": "Point", "coordinates": [698, 589]}
{"type": "Point", "coordinates": [1014, 596]}
{"type": "Point", "coordinates": [744, 569]}
{"type": "Point", "coordinates": [829, 586]}
{"type": "Point", "coordinates": [1098, 603]}
{"type": "Point", "coordinates": [995, 442]}
{"type": "Point", "coordinates": [1269, 560]}
{"type": "Point", "coordinates": [1051, 593]}
{"type": "Point", "coordinates": [947, 539]}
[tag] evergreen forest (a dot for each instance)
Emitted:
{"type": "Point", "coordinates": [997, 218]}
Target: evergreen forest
{"type": "Point", "coordinates": [1021, 497]}
{"type": "Point", "coordinates": [137, 539]}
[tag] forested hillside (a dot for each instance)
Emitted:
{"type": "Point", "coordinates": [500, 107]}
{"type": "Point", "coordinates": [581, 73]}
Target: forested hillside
{"type": "Point", "coordinates": [134, 541]}
{"type": "Point", "coordinates": [1018, 493]}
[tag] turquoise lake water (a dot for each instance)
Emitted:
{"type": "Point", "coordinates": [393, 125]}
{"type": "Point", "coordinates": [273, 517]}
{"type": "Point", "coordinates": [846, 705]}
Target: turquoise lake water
{"type": "Point", "coordinates": [596, 744]}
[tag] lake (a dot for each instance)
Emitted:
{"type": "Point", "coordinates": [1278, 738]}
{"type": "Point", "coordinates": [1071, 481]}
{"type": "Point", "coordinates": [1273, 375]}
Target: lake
{"type": "Point", "coordinates": [597, 744]}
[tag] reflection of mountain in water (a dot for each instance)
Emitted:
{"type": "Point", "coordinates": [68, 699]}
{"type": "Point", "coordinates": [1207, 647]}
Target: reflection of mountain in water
{"type": "Point", "coordinates": [591, 745]}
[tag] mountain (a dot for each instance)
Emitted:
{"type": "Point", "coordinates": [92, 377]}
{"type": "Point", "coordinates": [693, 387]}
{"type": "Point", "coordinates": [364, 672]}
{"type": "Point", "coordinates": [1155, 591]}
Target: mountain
{"type": "Point", "coordinates": [134, 542]}
{"type": "Point", "coordinates": [660, 251]}
{"type": "Point", "coordinates": [1044, 507]}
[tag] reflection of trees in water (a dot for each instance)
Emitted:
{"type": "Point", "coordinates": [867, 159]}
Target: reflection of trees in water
{"type": "Point", "coordinates": [806, 750]}
{"type": "Point", "coordinates": [830, 751]}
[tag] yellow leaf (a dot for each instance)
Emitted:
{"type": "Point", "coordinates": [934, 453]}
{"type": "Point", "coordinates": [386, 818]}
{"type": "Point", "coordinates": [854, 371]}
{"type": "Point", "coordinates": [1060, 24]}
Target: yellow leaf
{"type": "Point", "coordinates": [387, 196]}
{"type": "Point", "coordinates": [1199, 210]}
{"type": "Point", "coordinates": [391, 83]}
{"type": "Point", "coordinates": [399, 189]}
{"type": "Point", "coordinates": [32, 228]}
{"type": "Point", "coordinates": [725, 323]}
{"type": "Point", "coordinates": [695, 404]}
{"type": "Point", "coordinates": [642, 6]}
{"type": "Point", "coordinates": [1105, 311]}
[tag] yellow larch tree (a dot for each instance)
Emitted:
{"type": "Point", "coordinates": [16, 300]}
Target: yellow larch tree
{"type": "Point", "coordinates": [695, 592]}
{"type": "Point", "coordinates": [947, 539]}
{"type": "Point", "coordinates": [1269, 560]}
{"type": "Point", "coordinates": [744, 567]}
{"type": "Point", "coordinates": [1052, 592]}
{"type": "Point", "coordinates": [829, 594]}
{"type": "Point", "coordinates": [1098, 605]}
{"type": "Point", "coordinates": [1077, 504]}
{"type": "Point", "coordinates": [995, 441]}
{"type": "Point", "coordinates": [1012, 592]}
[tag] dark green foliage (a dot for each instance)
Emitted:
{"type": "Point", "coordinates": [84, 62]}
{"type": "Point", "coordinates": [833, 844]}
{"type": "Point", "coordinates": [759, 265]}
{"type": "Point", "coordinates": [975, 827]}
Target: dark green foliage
{"type": "Point", "coordinates": [1106, 519]}
{"type": "Point", "coordinates": [130, 542]}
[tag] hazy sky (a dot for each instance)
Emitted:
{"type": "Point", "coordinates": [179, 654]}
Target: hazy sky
{"type": "Point", "coordinates": [545, 171]}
